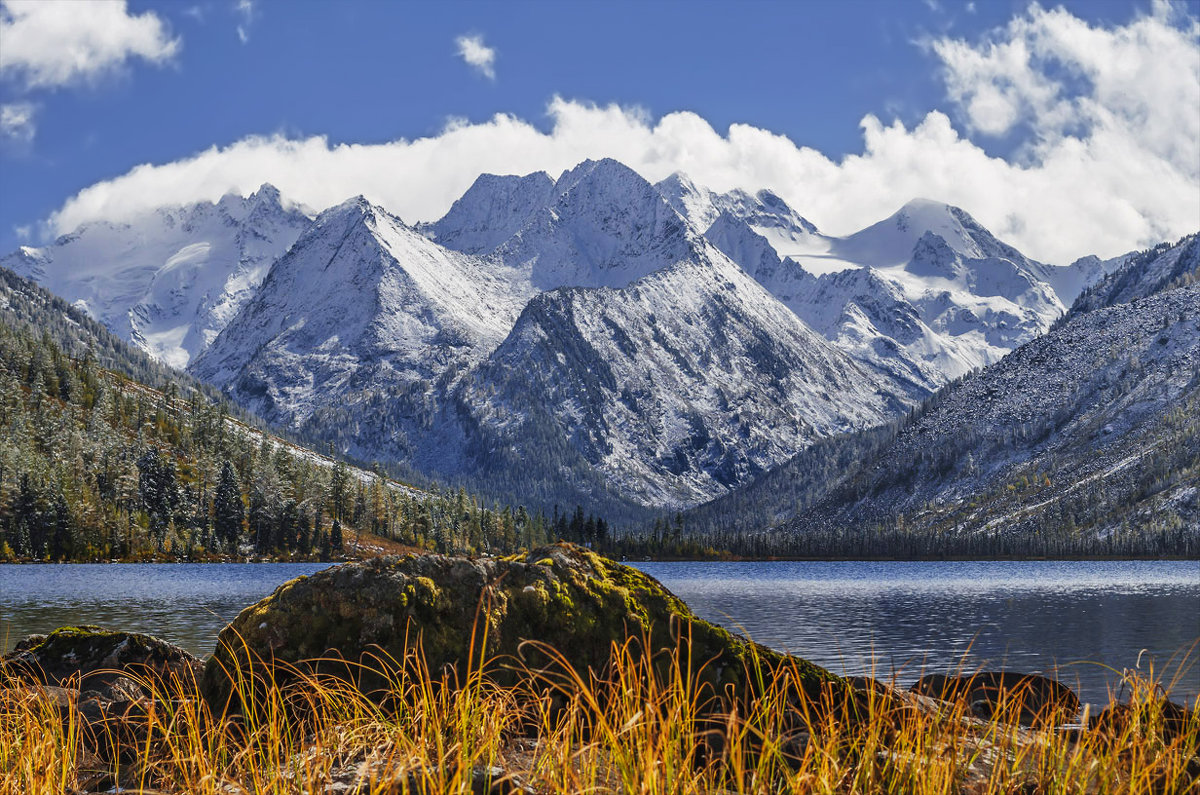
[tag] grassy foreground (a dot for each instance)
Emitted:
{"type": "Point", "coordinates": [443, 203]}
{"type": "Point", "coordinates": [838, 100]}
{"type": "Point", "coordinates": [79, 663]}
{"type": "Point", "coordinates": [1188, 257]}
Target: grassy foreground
{"type": "Point", "coordinates": [644, 727]}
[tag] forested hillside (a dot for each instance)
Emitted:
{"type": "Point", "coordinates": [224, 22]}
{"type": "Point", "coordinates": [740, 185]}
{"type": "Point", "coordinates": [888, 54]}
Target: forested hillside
{"type": "Point", "coordinates": [106, 455]}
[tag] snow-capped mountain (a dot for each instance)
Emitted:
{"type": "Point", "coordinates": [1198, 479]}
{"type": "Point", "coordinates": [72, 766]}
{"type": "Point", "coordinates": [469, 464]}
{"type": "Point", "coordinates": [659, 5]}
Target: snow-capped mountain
{"type": "Point", "coordinates": [764, 212]}
{"type": "Point", "coordinates": [605, 227]}
{"type": "Point", "coordinates": [675, 388]}
{"type": "Point", "coordinates": [492, 210]}
{"type": "Point", "coordinates": [171, 279]}
{"type": "Point", "coordinates": [1090, 427]}
{"type": "Point", "coordinates": [604, 346]}
{"type": "Point", "coordinates": [927, 294]}
{"type": "Point", "coordinates": [565, 339]}
{"type": "Point", "coordinates": [361, 301]}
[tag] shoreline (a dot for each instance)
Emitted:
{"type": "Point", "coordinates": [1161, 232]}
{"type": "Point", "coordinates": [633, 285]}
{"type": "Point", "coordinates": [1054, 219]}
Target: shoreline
{"type": "Point", "coordinates": [628, 560]}
{"type": "Point", "coordinates": [99, 710]}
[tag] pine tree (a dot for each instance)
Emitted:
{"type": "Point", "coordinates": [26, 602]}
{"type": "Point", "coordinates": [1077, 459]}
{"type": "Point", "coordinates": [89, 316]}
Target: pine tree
{"type": "Point", "coordinates": [335, 536]}
{"type": "Point", "coordinates": [228, 509]}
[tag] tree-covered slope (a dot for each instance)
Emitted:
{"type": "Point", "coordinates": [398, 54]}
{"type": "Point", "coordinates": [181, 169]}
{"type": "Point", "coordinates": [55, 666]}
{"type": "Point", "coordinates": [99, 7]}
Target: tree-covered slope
{"type": "Point", "coordinates": [105, 454]}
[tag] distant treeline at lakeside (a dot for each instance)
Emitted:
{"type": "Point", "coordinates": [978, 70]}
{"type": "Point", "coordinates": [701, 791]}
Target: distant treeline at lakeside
{"type": "Point", "coordinates": [670, 538]}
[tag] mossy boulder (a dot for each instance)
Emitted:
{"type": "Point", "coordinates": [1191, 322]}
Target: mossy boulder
{"type": "Point", "coordinates": [1032, 699]}
{"type": "Point", "coordinates": [98, 658]}
{"type": "Point", "coordinates": [567, 597]}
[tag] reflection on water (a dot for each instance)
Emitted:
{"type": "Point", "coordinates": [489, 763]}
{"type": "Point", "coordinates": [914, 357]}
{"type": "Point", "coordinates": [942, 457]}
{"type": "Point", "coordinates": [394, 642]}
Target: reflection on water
{"type": "Point", "coordinates": [185, 603]}
{"type": "Point", "coordinates": [1083, 620]}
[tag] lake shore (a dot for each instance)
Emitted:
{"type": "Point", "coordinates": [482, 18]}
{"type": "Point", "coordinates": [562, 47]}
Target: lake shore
{"type": "Point", "coordinates": [452, 700]}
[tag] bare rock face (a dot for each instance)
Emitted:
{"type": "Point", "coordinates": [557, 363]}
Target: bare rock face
{"type": "Point", "coordinates": [571, 599]}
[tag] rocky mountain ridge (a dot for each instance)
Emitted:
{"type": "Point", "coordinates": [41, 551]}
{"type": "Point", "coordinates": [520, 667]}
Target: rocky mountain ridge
{"type": "Point", "coordinates": [590, 337]}
{"type": "Point", "coordinates": [1088, 430]}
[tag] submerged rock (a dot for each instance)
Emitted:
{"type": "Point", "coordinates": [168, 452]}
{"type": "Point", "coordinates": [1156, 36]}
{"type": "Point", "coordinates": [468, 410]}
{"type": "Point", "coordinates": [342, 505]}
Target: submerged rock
{"type": "Point", "coordinates": [571, 599]}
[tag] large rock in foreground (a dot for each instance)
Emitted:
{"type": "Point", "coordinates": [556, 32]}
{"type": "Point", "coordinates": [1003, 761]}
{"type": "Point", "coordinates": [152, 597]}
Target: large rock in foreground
{"type": "Point", "coordinates": [569, 598]}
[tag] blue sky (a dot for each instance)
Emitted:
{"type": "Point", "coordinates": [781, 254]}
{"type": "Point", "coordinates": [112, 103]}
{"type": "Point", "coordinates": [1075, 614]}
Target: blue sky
{"type": "Point", "coordinates": [214, 74]}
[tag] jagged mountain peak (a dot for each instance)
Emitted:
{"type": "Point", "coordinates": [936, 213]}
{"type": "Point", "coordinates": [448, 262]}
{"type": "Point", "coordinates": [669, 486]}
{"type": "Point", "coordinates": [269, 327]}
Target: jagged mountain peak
{"type": "Point", "coordinates": [606, 168]}
{"type": "Point", "coordinates": [492, 210]}
{"type": "Point", "coordinates": [764, 210]}
{"type": "Point", "coordinates": [360, 298]}
{"type": "Point", "coordinates": [606, 227]}
{"type": "Point", "coordinates": [892, 240]}
{"type": "Point", "coordinates": [674, 387]}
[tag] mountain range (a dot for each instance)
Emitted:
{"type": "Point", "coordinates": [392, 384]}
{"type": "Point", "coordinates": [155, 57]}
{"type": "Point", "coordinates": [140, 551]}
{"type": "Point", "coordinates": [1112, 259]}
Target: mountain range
{"type": "Point", "coordinates": [593, 338]}
{"type": "Point", "coordinates": [1090, 430]}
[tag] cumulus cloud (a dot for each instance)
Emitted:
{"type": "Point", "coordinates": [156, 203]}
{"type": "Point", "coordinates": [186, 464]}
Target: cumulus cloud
{"type": "Point", "coordinates": [1116, 175]}
{"type": "Point", "coordinates": [477, 55]}
{"type": "Point", "coordinates": [1055, 77]}
{"type": "Point", "coordinates": [246, 12]}
{"type": "Point", "coordinates": [17, 122]}
{"type": "Point", "coordinates": [48, 44]}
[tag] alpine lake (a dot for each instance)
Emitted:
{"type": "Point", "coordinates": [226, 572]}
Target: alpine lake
{"type": "Point", "coordinates": [1083, 622]}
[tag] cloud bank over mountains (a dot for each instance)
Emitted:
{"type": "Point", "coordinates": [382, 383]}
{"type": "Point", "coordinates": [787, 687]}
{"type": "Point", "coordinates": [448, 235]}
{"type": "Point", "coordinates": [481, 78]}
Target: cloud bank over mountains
{"type": "Point", "coordinates": [1105, 122]}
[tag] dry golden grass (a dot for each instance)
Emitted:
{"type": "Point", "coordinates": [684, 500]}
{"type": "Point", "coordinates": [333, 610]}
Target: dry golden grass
{"type": "Point", "coordinates": [644, 727]}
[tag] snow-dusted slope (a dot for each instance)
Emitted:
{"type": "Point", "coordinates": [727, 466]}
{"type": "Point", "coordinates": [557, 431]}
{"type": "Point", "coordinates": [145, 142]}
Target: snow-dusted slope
{"type": "Point", "coordinates": [764, 212]}
{"type": "Point", "coordinates": [1144, 273]}
{"type": "Point", "coordinates": [1093, 427]}
{"type": "Point", "coordinates": [492, 210]}
{"type": "Point", "coordinates": [645, 363]}
{"type": "Point", "coordinates": [927, 294]}
{"type": "Point", "coordinates": [675, 388]}
{"type": "Point", "coordinates": [170, 280]}
{"type": "Point", "coordinates": [361, 301]}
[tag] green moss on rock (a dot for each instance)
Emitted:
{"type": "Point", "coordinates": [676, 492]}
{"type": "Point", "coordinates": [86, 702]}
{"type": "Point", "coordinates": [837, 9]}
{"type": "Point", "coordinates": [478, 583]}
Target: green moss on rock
{"type": "Point", "coordinates": [98, 654]}
{"type": "Point", "coordinates": [569, 598]}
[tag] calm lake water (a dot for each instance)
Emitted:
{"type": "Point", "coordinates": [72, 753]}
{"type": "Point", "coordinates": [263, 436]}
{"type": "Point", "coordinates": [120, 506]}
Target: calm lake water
{"type": "Point", "coordinates": [1077, 619]}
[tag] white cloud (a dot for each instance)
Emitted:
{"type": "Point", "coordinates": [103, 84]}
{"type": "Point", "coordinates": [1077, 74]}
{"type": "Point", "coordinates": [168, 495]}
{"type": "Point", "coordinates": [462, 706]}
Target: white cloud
{"type": "Point", "coordinates": [246, 11]}
{"type": "Point", "coordinates": [477, 54]}
{"type": "Point", "coordinates": [17, 121]}
{"type": "Point", "coordinates": [1053, 77]}
{"type": "Point", "coordinates": [1117, 182]}
{"type": "Point", "coordinates": [23, 233]}
{"type": "Point", "coordinates": [49, 44]}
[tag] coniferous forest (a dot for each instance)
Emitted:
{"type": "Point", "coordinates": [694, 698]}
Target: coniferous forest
{"type": "Point", "coordinates": [106, 455]}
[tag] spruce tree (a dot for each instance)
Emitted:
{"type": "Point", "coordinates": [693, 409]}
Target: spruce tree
{"type": "Point", "coordinates": [228, 509]}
